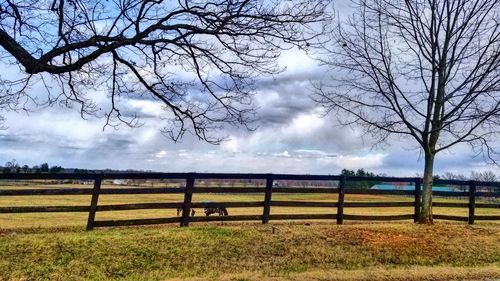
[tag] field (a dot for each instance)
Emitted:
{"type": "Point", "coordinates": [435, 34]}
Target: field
{"type": "Point", "coordinates": [43, 220]}
{"type": "Point", "coordinates": [54, 246]}
{"type": "Point", "coordinates": [298, 251]}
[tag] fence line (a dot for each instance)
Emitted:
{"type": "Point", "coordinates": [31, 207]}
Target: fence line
{"type": "Point", "coordinates": [190, 179]}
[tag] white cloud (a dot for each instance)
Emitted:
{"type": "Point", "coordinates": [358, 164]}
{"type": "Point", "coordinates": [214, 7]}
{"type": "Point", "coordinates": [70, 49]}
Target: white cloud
{"type": "Point", "coordinates": [231, 145]}
{"type": "Point", "coordinates": [296, 61]}
{"type": "Point", "coordinates": [370, 161]}
{"type": "Point", "coordinates": [304, 125]}
{"type": "Point", "coordinates": [161, 154]}
{"type": "Point", "coordinates": [291, 138]}
{"type": "Point", "coordinates": [147, 107]}
{"type": "Point", "coordinates": [184, 154]}
{"type": "Point", "coordinates": [282, 154]}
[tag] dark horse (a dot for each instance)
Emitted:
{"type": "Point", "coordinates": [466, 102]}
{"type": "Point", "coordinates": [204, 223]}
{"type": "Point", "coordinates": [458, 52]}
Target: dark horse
{"type": "Point", "coordinates": [179, 211]}
{"type": "Point", "coordinates": [222, 211]}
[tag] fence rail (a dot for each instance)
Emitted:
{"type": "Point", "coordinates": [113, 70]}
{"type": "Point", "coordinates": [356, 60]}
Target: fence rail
{"type": "Point", "coordinates": [469, 189]}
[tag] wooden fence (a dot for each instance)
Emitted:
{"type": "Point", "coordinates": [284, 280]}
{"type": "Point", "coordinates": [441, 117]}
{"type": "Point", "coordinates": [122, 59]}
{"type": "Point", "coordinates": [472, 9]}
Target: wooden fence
{"type": "Point", "coordinates": [270, 188]}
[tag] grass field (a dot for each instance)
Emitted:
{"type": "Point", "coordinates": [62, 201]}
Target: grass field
{"type": "Point", "coordinates": [53, 246]}
{"type": "Point", "coordinates": [29, 220]}
{"type": "Point", "coordinates": [319, 251]}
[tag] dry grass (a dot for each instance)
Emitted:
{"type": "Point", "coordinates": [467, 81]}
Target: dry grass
{"type": "Point", "coordinates": [319, 251]}
{"type": "Point", "coordinates": [411, 273]}
{"type": "Point", "coordinates": [29, 220]}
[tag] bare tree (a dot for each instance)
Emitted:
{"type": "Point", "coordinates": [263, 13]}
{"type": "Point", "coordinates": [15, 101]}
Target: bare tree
{"type": "Point", "coordinates": [425, 70]}
{"type": "Point", "coordinates": [483, 176]}
{"type": "Point", "coordinates": [452, 176]}
{"type": "Point", "coordinates": [197, 58]}
{"type": "Point", "coordinates": [11, 166]}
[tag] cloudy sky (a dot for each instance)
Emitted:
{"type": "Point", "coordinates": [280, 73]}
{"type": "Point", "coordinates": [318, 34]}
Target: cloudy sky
{"type": "Point", "coordinates": [291, 137]}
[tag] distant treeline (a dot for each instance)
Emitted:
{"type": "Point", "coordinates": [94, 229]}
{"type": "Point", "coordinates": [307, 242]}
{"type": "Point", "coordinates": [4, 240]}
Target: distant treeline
{"type": "Point", "coordinates": [488, 176]}
{"type": "Point", "coordinates": [360, 173]}
{"type": "Point", "coordinates": [14, 167]}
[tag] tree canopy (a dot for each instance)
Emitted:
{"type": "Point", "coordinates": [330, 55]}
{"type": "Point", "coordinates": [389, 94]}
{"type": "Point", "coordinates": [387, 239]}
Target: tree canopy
{"type": "Point", "coordinates": [428, 71]}
{"type": "Point", "coordinates": [198, 59]}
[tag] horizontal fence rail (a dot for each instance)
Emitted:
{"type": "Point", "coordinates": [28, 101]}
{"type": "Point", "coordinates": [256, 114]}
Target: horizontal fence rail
{"type": "Point", "coordinates": [269, 184]}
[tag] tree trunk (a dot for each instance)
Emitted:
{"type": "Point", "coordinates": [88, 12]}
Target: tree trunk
{"type": "Point", "coordinates": [426, 212]}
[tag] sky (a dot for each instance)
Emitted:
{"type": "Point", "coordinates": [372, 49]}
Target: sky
{"type": "Point", "coordinates": [292, 136]}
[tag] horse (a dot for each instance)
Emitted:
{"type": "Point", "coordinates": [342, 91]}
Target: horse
{"type": "Point", "coordinates": [222, 211]}
{"type": "Point", "coordinates": [179, 211]}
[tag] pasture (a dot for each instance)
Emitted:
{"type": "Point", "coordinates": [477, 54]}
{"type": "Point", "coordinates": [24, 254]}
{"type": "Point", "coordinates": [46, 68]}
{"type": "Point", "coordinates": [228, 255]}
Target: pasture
{"type": "Point", "coordinates": [54, 245]}
{"type": "Point", "coordinates": [79, 219]}
{"type": "Point", "coordinates": [250, 251]}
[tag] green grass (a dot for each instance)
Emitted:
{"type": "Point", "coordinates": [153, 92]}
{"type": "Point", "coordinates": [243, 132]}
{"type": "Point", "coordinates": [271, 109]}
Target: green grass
{"type": "Point", "coordinates": [52, 246]}
{"type": "Point", "coordinates": [320, 251]}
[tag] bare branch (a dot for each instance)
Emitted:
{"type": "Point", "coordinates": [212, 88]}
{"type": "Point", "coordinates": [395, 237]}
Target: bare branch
{"type": "Point", "coordinates": [197, 58]}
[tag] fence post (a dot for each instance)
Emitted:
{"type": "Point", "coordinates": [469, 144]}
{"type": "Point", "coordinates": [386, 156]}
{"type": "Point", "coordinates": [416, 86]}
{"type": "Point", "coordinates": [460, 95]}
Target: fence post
{"type": "Point", "coordinates": [340, 206]}
{"type": "Point", "coordinates": [188, 196]}
{"type": "Point", "coordinates": [267, 199]}
{"type": "Point", "coordinates": [93, 203]}
{"type": "Point", "coordinates": [418, 198]}
{"type": "Point", "coordinates": [472, 201]}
